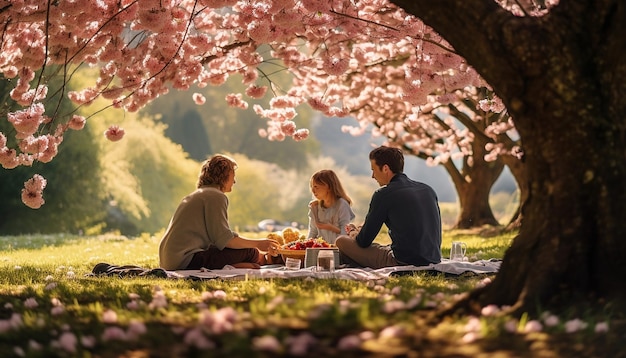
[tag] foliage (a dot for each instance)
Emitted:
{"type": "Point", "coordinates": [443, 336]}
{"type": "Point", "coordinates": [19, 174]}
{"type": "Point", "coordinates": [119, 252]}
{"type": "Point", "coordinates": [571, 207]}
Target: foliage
{"type": "Point", "coordinates": [226, 129]}
{"type": "Point", "coordinates": [51, 308]}
{"type": "Point", "coordinates": [73, 199]}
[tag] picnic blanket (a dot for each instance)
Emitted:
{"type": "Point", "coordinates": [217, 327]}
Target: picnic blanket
{"type": "Point", "coordinates": [446, 267]}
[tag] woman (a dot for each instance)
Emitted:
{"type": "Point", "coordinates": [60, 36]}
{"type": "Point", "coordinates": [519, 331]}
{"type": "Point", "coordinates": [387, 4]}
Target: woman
{"type": "Point", "coordinates": [330, 212]}
{"type": "Point", "coordinates": [199, 236]}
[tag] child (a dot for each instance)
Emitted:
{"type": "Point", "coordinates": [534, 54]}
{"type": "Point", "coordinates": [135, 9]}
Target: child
{"type": "Point", "coordinates": [330, 212]}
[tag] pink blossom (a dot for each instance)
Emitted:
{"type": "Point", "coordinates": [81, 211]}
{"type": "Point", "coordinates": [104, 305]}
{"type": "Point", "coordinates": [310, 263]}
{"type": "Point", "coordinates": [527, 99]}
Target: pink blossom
{"type": "Point", "coordinates": [27, 121]}
{"type": "Point", "coordinates": [135, 329]}
{"type": "Point", "coordinates": [235, 100]}
{"type": "Point", "coordinates": [88, 341]}
{"type": "Point", "coordinates": [32, 194]}
{"type": "Point", "coordinates": [68, 341]}
{"type": "Point", "coordinates": [196, 338]}
{"type": "Point", "coordinates": [254, 91]}
{"type": "Point", "coordinates": [219, 294]}
{"type": "Point", "coordinates": [511, 326]}
{"type": "Point", "coordinates": [198, 98]}
{"type": "Point", "coordinates": [490, 310]}
{"type": "Point", "coordinates": [350, 342]}
{"type": "Point", "coordinates": [575, 325]}
{"type": "Point", "coordinates": [114, 133]}
{"type": "Point", "coordinates": [301, 134]}
{"type": "Point", "coordinates": [8, 158]}
{"type": "Point", "coordinates": [109, 316]}
{"type": "Point", "coordinates": [114, 333]}
{"type": "Point", "coordinates": [266, 343]}
{"type": "Point", "coordinates": [158, 300]}
{"type": "Point", "coordinates": [299, 345]}
{"type": "Point", "coordinates": [533, 326]}
{"type": "Point", "coordinates": [77, 122]}
{"type": "Point", "coordinates": [601, 327]}
{"type": "Point", "coordinates": [551, 320]}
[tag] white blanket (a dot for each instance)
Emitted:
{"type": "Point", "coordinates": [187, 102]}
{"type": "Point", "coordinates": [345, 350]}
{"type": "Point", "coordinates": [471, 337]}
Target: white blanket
{"type": "Point", "coordinates": [362, 274]}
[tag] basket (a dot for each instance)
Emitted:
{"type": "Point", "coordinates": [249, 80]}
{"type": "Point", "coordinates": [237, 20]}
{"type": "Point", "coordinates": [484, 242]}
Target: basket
{"type": "Point", "coordinates": [295, 254]}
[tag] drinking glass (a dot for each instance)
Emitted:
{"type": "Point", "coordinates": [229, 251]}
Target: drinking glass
{"type": "Point", "coordinates": [457, 251]}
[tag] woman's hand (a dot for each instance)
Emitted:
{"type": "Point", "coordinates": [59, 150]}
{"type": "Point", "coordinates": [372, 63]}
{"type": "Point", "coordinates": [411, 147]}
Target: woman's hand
{"type": "Point", "coordinates": [270, 246]}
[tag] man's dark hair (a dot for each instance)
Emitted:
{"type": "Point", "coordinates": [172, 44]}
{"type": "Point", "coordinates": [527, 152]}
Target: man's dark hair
{"type": "Point", "coordinates": [393, 157]}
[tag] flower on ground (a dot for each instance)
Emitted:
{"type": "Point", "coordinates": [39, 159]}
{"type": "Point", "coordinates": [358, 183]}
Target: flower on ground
{"type": "Point", "coordinates": [575, 325]}
{"type": "Point", "coordinates": [114, 333]}
{"type": "Point", "coordinates": [67, 342]}
{"type": "Point", "coordinates": [109, 316]}
{"type": "Point", "coordinates": [266, 343]}
{"type": "Point", "coordinates": [31, 303]}
{"type": "Point", "coordinates": [490, 310]}
{"type": "Point", "coordinates": [533, 326]}
{"type": "Point", "coordinates": [196, 338]}
{"type": "Point", "coordinates": [602, 327]}
{"type": "Point", "coordinates": [350, 342]}
{"type": "Point", "coordinates": [551, 320]}
{"type": "Point", "coordinates": [300, 344]}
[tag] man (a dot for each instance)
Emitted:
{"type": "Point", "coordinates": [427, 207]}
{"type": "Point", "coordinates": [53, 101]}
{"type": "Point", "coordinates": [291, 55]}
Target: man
{"type": "Point", "coordinates": [410, 211]}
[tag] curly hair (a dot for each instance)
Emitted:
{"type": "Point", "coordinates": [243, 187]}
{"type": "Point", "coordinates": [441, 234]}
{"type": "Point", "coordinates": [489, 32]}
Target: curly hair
{"type": "Point", "coordinates": [216, 170]}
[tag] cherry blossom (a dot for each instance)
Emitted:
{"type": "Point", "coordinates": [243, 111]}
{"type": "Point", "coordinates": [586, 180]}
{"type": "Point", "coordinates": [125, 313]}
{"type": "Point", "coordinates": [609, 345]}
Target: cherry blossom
{"type": "Point", "coordinates": [114, 133]}
{"type": "Point", "coordinates": [32, 194]}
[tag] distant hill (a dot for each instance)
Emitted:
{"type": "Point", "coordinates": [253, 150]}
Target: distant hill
{"type": "Point", "coordinates": [352, 152]}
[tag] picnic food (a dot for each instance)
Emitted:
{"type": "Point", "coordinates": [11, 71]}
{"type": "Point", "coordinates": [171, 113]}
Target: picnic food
{"type": "Point", "coordinates": [303, 244]}
{"type": "Point", "coordinates": [286, 236]}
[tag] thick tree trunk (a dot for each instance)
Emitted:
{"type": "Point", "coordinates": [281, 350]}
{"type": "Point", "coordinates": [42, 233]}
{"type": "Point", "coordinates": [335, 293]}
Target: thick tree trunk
{"type": "Point", "coordinates": [563, 79]}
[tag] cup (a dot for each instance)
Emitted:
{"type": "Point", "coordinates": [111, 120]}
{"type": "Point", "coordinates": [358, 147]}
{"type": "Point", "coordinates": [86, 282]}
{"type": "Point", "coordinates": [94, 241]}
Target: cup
{"type": "Point", "coordinates": [457, 251]}
{"type": "Point", "coordinates": [292, 264]}
{"type": "Point", "coordinates": [326, 261]}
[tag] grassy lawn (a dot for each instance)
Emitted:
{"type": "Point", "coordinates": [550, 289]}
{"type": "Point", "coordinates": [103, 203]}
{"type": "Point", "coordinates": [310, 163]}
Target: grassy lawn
{"type": "Point", "coordinates": [49, 306]}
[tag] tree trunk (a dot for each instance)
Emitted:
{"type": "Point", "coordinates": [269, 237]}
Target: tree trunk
{"type": "Point", "coordinates": [563, 79]}
{"type": "Point", "coordinates": [473, 185]}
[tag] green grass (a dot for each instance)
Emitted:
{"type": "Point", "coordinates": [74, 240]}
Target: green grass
{"type": "Point", "coordinates": [77, 315]}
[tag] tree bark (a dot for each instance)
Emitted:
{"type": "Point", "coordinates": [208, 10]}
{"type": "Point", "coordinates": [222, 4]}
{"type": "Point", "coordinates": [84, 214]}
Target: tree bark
{"type": "Point", "coordinates": [473, 185]}
{"type": "Point", "coordinates": [563, 80]}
